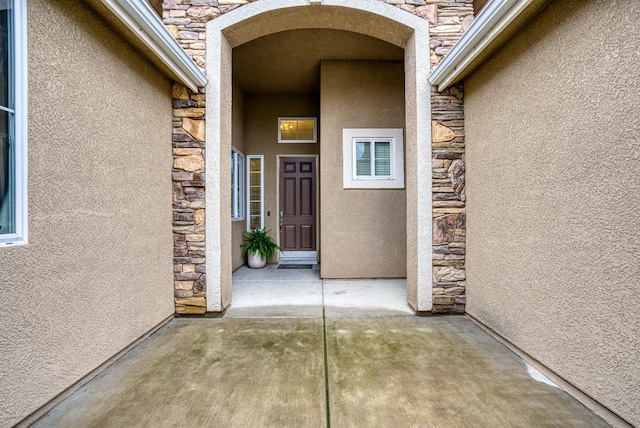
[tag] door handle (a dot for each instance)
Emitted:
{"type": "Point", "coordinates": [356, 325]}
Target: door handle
{"type": "Point", "coordinates": [281, 221]}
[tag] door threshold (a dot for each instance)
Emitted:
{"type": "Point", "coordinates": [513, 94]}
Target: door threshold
{"type": "Point", "coordinates": [300, 261]}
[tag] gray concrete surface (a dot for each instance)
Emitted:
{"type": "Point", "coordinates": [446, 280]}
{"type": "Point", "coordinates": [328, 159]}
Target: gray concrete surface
{"type": "Point", "coordinates": [300, 293]}
{"type": "Point", "coordinates": [373, 371]}
{"type": "Point", "coordinates": [276, 293]}
{"type": "Point", "coordinates": [437, 372]}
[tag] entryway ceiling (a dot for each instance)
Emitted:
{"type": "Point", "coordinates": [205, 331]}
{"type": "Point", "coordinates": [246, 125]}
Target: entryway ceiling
{"type": "Point", "coordinates": [289, 62]}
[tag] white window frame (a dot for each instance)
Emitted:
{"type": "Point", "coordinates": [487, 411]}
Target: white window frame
{"type": "Point", "coordinates": [248, 206]}
{"type": "Point", "coordinates": [237, 189]}
{"type": "Point", "coordinates": [20, 237]}
{"type": "Point", "coordinates": [352, 135]}
{"type": "Point", "coordinates": [315, 130]}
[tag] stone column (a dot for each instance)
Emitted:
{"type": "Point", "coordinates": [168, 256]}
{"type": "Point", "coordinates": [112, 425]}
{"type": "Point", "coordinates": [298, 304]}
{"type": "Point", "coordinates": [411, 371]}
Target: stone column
{"type": "Point", "coordinates": [448, 21]}
{"type": "Point", "coordinates": [188, 201]}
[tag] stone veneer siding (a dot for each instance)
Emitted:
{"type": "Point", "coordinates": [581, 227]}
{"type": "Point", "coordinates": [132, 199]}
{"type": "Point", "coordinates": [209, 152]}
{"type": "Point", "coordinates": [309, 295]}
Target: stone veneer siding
{"type": "Point", "coordinates": [188, 201]}
{"type": "Point", "coordinates": [186, 21]}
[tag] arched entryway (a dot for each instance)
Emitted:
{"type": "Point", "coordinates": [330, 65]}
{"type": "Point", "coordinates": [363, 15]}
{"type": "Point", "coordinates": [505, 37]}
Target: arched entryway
{"type": "Point", "coordinates": [366, 17]}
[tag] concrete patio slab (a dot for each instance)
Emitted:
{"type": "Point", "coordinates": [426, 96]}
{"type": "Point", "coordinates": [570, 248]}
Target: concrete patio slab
{"type": "Point", "coordinates": [282, 293]}
{"type": "Point", "coordinates": [271, 273]}
{"type": "Point", "coordinates": [263, 365]}
{"type": "Point", "coordinates": [437, 372]}
{"type": "Point", "coordinates": [209, 373]}
{"type": "Point", "coordinates": [369, 298]}
{"type": "Point", "coordinates": [276, 299]}
{"type": "Point", "coordinates": [381, 372]}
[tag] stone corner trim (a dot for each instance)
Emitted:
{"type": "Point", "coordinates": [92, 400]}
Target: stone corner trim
{"type": "Point", "coordinates": [449, 218]}
{"type": "Point", "coordinates": [188, 176]}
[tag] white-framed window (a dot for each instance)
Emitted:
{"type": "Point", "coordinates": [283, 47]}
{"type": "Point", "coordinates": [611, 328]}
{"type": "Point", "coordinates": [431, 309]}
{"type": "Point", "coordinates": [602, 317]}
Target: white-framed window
{"type": "Point", "coordinates": [237, 185]}
{"type": "Point", "coordinates": [297, 130]}
{"type": "Point", "coordinates": [373, 158]}
{"type": "Point", "coordinates": [13, 123]}
{"type": "Point", "coordinates": [255, 191]}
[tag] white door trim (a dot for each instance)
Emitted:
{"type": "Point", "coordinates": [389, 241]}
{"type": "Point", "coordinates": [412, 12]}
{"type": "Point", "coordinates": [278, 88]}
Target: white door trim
{"type": "Point", "coordinates": [281, 256]}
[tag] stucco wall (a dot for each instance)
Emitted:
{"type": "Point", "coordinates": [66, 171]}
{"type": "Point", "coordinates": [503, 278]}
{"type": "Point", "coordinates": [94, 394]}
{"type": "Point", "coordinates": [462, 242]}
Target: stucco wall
{"type": "Point", "coordinates": [553, 178]}
{"type": "Point", "coordinates": [363, 230]}
{"type": "Point", "coordinates": [97, 273]}
{"type": "Point", "coordinates": [262, 112]}
{"type": "Point", "coordinates": [237, 227]}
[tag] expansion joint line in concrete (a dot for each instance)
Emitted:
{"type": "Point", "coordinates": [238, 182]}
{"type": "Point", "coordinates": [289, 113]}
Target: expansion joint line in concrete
{"type": "Point", "coordinates": [326, 362]}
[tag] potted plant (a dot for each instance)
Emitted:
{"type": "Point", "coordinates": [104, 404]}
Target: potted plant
{"type": "Point", "coordinates": [258, 247]}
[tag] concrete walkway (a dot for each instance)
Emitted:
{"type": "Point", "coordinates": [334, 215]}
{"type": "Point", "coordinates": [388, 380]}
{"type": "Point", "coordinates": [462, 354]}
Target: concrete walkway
{"type": "Point", "coordinates": [326, 360]}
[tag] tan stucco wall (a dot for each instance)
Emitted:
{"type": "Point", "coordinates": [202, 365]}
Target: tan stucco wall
{"type": "Point", "coordinates": [97, 273]}
{"type": "Point", "coordinates": [237, 227]}
{"type": "Point", "coordinates": [553, 178]}
{"type": "Point", "coordinates": [363, 231]}
{"type": "Point", "coordinates": [261, 138]}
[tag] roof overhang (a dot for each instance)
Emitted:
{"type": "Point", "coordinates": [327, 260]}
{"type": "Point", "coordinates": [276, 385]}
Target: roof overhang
{"type": "Point", "coordinates": [140, 25]}
{"type": "Point", "coordinates": [497, 22]}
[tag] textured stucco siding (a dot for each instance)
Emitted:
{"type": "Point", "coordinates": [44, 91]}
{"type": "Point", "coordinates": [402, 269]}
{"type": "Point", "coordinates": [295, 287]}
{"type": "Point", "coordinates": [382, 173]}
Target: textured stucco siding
{"type": "Point", "coordinates": [553, 178]}
{"type": "Point", "coordinates": [363, 230]}
{"type": "Point", "coordinates": [97, 273]}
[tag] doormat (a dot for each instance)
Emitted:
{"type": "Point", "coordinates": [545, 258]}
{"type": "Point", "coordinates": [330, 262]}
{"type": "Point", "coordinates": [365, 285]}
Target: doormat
{"type": "Point", "coordinates": [287, 266]}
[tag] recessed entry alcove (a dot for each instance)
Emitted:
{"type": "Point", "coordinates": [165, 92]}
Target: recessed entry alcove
{"type": "Point", "coordinates": [348, 65]}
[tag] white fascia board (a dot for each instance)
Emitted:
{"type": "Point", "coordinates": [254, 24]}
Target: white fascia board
{"type": "Point", "coordinates": [143, 21]}
{"type": "Point", "coordinates": [492, 20]}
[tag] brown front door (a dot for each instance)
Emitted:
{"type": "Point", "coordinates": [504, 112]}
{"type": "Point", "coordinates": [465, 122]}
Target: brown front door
{"type": "Point", "coordinates": [298, 204]}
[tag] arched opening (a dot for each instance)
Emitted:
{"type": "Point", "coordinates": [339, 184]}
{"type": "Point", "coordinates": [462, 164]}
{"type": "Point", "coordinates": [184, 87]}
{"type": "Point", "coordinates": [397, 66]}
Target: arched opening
{"type": "Point", "coordinates": [393, 42]}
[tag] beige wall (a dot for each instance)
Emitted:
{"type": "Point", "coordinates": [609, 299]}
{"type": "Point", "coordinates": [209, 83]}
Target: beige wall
{"type": "Point", "coordinates": [261, 138]}
{"type": "Point", "coordinates": [237, 227]}
{"type": "Point", "coordinates": [553, 178]}
{"type": "Point", "coordinates": [97, 273]}
{"type": "Point", "coordinates": [363, 231]}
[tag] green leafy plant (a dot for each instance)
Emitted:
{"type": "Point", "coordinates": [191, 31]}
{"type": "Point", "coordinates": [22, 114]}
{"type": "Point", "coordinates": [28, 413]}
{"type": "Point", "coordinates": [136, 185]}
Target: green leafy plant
{"type": "Point", "coordinates": [258, 241]}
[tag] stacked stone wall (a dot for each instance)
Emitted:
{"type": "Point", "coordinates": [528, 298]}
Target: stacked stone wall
{"type": "Point", "coordinates": [188, 201]}
{"type": "Point", "coordinates": [448, 21]}
{"type": "Point", "coordinates": [186, 21]}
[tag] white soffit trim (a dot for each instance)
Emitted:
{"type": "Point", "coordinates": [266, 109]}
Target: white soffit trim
{"type": "Point", "coordinates": [488, 25]}
{"type": "Point", "coordinates": [143, 21]}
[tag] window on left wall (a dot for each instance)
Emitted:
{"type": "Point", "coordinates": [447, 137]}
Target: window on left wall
{"type": "Point", "coordinates": [13, 130]}
{"type": "Point", "coordinates": [237, 185]}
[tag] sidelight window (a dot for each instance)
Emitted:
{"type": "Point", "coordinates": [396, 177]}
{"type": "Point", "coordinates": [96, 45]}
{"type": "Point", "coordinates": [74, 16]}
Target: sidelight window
{"type": "Point", "coordinates": [237, 185]}
{"type": "Point", "coordinates": [255, 197]}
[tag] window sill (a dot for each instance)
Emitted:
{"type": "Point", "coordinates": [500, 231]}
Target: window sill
{"type": "Point", "coordinates": [17, 242]}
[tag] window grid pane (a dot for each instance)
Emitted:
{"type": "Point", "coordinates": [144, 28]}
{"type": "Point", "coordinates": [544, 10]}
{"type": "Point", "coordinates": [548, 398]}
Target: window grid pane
{"type": "Point", "coordinates": [363, 159]}
{"type": "Point", "coordinates": [7, 174]}
{"type": "Point", "coordinates": [6, 59]}
{"type": "Point", "coordinates": [240, 187]}
{"type": "Point", "coordinates": [255, 192]}
{"type": "Point", "coordinates": [7, 150]}
{"type": "Point", "coordinates": [233, 184]}
{"type": "Point", "coordinates": [237, 185]}
{"type": "Point", "coordinates": [382, 160]}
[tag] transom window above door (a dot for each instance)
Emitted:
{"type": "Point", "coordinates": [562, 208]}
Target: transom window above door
{"type": "Point", "coordinates": [373, 158]}
{"type": "Point", "coordinates": [297, 130]}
